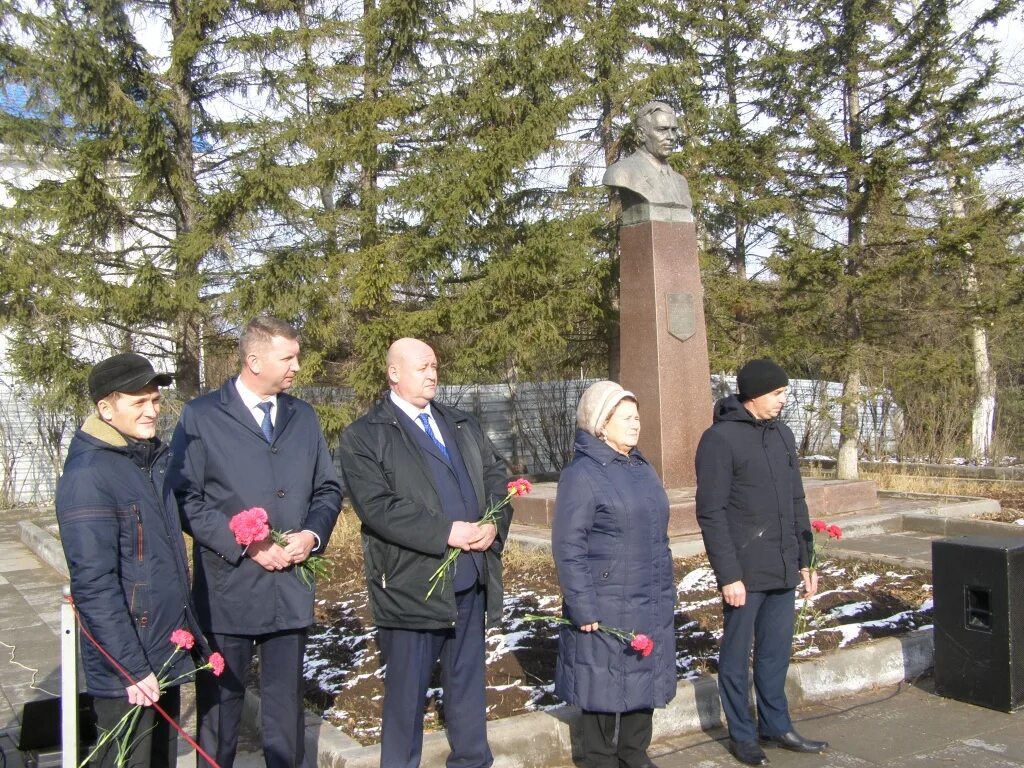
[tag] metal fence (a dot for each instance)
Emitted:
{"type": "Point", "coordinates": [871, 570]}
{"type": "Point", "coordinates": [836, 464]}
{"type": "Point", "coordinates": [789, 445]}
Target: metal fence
{"type": "Point", "coordinates": [531, 424]}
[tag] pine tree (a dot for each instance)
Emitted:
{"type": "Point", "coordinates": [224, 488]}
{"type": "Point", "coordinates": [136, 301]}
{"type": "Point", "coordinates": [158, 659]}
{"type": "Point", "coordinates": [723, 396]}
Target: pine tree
{"type": "Point", "coordinates": [860, 83]}
{"type": "Point", "coordinates": [140, 201]}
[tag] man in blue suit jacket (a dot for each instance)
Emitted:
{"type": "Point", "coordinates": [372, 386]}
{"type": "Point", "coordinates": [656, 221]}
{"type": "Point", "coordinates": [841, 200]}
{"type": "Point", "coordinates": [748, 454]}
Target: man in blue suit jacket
{"type": "Point", "coordinates": [420, 476]}
{"type": "Point", "coordinates": [251, 445]}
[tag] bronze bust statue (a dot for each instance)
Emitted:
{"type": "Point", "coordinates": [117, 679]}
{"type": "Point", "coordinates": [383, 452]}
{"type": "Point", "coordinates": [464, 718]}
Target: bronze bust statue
{"type": "Point", "coordinates": [650, 189]}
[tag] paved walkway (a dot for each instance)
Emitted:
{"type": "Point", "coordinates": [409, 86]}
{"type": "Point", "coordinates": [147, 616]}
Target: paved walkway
{"type": "Point", "coordinates": [30, 594]}
{"type": "Point", "coordinates": [908, 725]}
{"type": "Point", "coordinates": [904, 726]}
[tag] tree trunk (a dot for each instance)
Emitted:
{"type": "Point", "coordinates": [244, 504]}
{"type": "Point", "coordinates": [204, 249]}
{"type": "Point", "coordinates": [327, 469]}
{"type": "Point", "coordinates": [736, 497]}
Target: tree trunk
{"type": "Point", "coordinates": [984, 399]}
{"type": "Point", "coordinates": [184, 191]}
{"type": "Point", "coordinates": [849, 427]}
{"type": "Point", "coordinates": [856, 212]}
{"type": "Point", "coordinates": [983, 416]}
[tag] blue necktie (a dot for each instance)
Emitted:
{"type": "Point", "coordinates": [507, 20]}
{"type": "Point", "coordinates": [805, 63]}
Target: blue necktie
{"type": "Point", "coordinates": [267, 425]}
{"type": "Point", "coordinates": [425, 420]}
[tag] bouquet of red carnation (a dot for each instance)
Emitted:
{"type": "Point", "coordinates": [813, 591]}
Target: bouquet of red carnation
{"type": "Point", "coordinates": [123, 731]}
{"type": "Point", "coordinates": [832, 532]}
{"type": "Point", "coordinates": [519, 487]}
{"type": "Point", "coordinates": [638, 641]}
{"type": "Point", "coordinates": [252, 525]}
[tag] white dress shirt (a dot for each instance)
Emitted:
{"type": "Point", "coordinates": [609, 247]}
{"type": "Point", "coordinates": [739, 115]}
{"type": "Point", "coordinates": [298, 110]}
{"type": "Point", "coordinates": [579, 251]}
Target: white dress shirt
{"type": "Point", "coordinates": [413, 413]}
{"type": "Point", "coordinates": [252, 401]}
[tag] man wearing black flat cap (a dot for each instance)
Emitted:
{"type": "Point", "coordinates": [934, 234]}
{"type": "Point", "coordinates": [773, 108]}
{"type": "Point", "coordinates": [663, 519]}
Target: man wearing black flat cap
{"type": "Point", "coordinates": [757, 533]}
{"type": "Point", "coordinates": [122, 539]}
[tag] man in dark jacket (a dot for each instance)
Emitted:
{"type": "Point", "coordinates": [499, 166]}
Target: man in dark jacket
{"type": "Point", "coordinates": [753, 517]}
{"type": "Point", "coordinates": [251, 445]}
{"type": "Point", "coordinates": [420, 475]}
{"type": "Point", "coordinates": [122, 540]}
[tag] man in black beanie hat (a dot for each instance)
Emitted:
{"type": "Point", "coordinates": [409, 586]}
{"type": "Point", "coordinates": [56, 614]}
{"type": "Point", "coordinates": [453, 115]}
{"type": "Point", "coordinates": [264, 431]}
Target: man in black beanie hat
{"type": "Point", "coordinates": [757, 533]}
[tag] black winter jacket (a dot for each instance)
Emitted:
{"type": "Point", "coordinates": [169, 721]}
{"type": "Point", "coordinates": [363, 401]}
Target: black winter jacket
{"type": "Point", "coordinates": [750, 500]}
{"type": "Point", "coordinates": [404, 529]}
{"type": "Point", "coordinates": [122, 539]}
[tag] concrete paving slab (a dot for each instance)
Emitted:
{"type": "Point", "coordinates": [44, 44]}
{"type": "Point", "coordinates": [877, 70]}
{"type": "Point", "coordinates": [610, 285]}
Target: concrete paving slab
{"type": "Point", "coordinates": [912, 549]}
{"type": "Point", "coordinates": [962, 753]}
{"type": "Point", "coordinates": [1006, 739]}
{"type": "Point", "coordinates": [19, 559]}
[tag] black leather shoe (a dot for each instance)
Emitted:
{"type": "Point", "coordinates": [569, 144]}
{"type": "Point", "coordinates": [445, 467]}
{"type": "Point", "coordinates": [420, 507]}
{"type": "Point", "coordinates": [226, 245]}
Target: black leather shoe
{"type": "Point", "coordinates": [794, 742]}
{"type": "Point", "coordinates": [748, 752]}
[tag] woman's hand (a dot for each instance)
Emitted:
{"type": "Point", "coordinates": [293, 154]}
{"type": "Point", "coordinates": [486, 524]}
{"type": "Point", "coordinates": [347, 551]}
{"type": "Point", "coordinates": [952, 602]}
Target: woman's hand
{"type": "Point", "coordinates": [590, 627]}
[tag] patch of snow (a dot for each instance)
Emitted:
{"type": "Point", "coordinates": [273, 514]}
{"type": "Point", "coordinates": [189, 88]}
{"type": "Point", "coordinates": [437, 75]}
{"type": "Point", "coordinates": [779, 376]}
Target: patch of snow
{"type": "Point", "coordinates": [509, 641]}
{"type": "Point", "coordinates": [516, 684]}
{"type": "Point", "coordinates": [848, 631]}
{"type": "Point", "coordinates": [927, 605]}
{"type": "Point", "coordinates": [701, 578]}
{"type": "Point", "coordinates": [850, 609]}
{"type": "Point", "coordinates": [699, 604]}
{"type": "Point", "coordinates": [865, 581]}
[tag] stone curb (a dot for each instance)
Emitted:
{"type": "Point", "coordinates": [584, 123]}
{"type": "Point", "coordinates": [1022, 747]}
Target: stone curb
{"type": "Point", "coordinates": [45, 547]}
{"type": "Point", "coordinates": [948, 506]}
{"type": "Point", "coordinates": [531, 740]}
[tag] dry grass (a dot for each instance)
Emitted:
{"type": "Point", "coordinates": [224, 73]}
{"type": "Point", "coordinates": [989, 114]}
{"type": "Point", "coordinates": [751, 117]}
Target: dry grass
{"type": "Point", "coordinates": [345, 547]}
{"type": "Point", "coordinates": [345, 544]}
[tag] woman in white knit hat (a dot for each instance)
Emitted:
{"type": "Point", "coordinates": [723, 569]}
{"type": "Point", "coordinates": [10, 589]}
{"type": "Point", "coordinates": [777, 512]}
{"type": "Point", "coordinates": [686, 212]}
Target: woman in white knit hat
{"type": "Point", "coordinates": [610, 544]}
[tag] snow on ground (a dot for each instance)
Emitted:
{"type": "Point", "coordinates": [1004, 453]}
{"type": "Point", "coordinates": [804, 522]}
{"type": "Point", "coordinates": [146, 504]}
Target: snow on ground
{"type": "Point", "coordinates": [342, 656]}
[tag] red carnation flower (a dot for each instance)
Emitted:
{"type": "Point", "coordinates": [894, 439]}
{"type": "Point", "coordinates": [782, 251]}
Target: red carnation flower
{"type": "Point", "coordinates": [642, 643]}
{"type": "Point", "coordinates": [183, 639]}
{"type": "Point", "coordinates": [835, 531]}
{"type": "Point", "coordinates": [250, 525]}
{"type": "Point", "coordinates": [819, 526]}
{"type": "Point", "coordinates": [519, 487]}
{"type": "Point", "coordinates": [216, 664]}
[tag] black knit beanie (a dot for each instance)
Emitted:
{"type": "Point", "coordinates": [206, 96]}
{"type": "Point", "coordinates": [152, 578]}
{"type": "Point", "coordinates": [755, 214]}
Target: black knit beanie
{"type": "Point", "coordinates": [758, 377]}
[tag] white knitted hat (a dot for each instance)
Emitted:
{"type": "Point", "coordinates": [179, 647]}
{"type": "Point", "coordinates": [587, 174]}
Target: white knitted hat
{"type": "Point", "coordinates": [597, 404]}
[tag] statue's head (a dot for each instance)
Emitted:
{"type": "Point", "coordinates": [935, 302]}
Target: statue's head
{"type": "Point", "coordinates": [658, 128]}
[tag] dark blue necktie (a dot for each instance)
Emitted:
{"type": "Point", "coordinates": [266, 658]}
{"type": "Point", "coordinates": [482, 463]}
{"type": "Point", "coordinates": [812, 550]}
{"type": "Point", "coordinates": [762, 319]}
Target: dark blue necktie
{"type": "Point", "coordinates": [267, 425]}
{"type": "Point", "coordinates": [425, 420]}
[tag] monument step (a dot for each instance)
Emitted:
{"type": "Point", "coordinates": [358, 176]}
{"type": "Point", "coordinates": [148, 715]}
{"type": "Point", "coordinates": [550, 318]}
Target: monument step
{"type": "Point", "coordinates": [825, 499]}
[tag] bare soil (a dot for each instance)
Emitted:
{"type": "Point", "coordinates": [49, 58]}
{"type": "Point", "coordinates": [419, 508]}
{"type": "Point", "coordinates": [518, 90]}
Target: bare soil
{"type": "Point", "coordinates": [1011, 499]}
{"type": "Point", "coordinates": [857, 601]}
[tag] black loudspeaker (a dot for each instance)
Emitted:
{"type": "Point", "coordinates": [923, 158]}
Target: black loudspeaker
{"type": "Point", "coordinates": [40, 723]}
{"type": "Point", "coordinates": [978, 584]}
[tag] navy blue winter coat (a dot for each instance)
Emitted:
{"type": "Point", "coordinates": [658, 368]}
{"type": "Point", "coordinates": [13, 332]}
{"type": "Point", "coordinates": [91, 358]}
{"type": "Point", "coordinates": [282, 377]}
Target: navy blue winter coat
{"type": "Point", "coordinates": [750, 500]}
{"type": "Point", "coordinates": [122, 540]}
{"type": "Point", "coordinates": [610, 544]}
{"type": "Point", "coordinates": [223, 464]}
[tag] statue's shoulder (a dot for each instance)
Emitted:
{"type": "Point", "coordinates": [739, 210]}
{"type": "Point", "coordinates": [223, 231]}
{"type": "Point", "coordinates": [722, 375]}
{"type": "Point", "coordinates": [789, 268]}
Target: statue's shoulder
{"type": "Point", "coordinates": [622, 171]}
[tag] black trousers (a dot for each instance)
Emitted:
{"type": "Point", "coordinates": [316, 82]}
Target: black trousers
{"type": "Point", "coordinates": [219, 700]}
{"type": "Point", "coordinates": [617, 740]}
{"type": "Point", "coordinates": [152, 743]}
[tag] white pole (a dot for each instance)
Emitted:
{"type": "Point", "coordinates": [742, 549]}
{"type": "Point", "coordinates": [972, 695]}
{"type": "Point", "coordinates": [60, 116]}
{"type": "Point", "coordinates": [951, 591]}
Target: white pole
{"type": "Point", "coordinates": [68, 682]}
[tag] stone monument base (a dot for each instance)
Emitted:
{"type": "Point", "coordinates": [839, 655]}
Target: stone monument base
{"type": "Point", "coordinates": [825, 499]}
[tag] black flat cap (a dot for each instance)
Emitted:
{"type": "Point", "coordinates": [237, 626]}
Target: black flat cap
{"type": "Point", "coordinates": [127, 372]}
